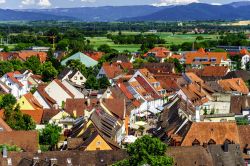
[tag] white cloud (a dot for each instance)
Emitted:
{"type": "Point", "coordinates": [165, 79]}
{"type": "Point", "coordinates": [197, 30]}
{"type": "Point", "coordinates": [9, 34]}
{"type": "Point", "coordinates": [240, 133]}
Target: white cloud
{"type": "Point", "coordinates": [174, 2]}
{"type": "Point", "coordinates": [89, 1]}
{"type": "Point", "coordinates": [2, 1]}
{"type": "Point", "coordinates": [44, 3]}
{"type": "Point", "coordinates": [28, 2]}
{"type": "Point", "coordinates": [217, 4]}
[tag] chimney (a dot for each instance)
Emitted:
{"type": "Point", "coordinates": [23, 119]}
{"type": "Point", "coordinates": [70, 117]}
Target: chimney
{"type": "Point", "coordinates": [225, 146]}
{"type": "Point", "coordinates": [53, 161]}
{"type": "Point", "coordinates": [69, 162]}
{"type": "Point", "coordinates": [238, 82]}
{"type": "Point", "coordinates": [35, 160]}
{"type": "Point", "coordinates": [88, 101]}
{"type": "Point", "coordinates": [9, 161]}
{"type": "Point", "coordinates": [197, 114]}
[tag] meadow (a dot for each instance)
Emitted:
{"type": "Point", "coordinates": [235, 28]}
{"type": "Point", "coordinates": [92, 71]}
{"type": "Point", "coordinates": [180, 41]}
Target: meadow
{"type": "Point", "coordinates": [169, 38]}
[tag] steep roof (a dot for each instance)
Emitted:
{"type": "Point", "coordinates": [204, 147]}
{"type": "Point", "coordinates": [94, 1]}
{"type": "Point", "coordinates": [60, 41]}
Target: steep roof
{"type": "Point", "coordinates": [159, 67]}
{"type": "Point", "coordinates": [159, 52]}
{"type": "Point", "coordinates": [4, 126]}
{"type": "Point", "coordinates": [27, 140]}
{"type": "Point", "coordinates": [12, 76]}
{"type": "Point", "coordinates": [24, 55]}
{"type": "Point", "coordinates": [194, 57]}
{"type": "Point", "coordinates": [41, 90]}
{"type": "Point", "coordinates": [245, 75]}
{"type": "Point", "coordinates": [48, 114]}
{"type": "Point", "coordinates": [244, 135]}
{"type": "Point", "coordinates": [234, 84]}
{"type": "Point", "coordinates": [36, 115]}
{"type": "Point", "coordinates": [96, 55]}
{"type": "Point", "coordinates": [64, 72]}
{"type": "Point", "coordinates": [239, 103]}
{"type": "Point", "coordinates": [115, 106]}
{"type": "Point", "coordinates": [64, 88]}
{"type": "Point", "coordinates": [33, 101]}
{"type": "Point", "coordinates": [206, 131]}
{"type": "Point", "coordinates": [111, 70]}
{"type": "Point", "coordinates": [84, 59]}
{"type": "Point", "coordinates": [80, 105]}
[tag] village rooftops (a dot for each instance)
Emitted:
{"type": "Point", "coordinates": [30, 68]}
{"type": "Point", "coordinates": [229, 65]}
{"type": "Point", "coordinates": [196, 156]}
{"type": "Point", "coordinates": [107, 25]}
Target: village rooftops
{"type": "Point", "coordinates": [205, 58]}
{"type": "Point", "coordinates": [234, 85]}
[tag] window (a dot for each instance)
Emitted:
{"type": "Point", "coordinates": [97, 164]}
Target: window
{"type": "Point", "coordinates": [75, 77]}
{"type": "Point", "coordinates": [65, 126]}
{"type": "Point", "coordinates": [98, 143]}
{"type": "Point", "coordinates": [81, 78]}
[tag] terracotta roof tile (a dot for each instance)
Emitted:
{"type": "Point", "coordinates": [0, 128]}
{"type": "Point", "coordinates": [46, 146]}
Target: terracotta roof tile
{"type": "Point", "coordinates": [95, 55]}
{"type": "Point", "coordinates": [11, 75]}
{"type": "Point", "coordinates": [244, 135]}
{"type": "Point", "coordinates": [33, 101]}
{"type": "Point", "coordinates": [4, 125]}
{"type": "Point", "coordinates": [217, 131]}
{"type": "Point", "coordinates": [111, 70]}
{"type": "Point", "coordinates": [234, 84]}
{"type": "Point", "coordinates": [36, 115]}
{"type": "Point", "coordinates": [24, 55]}
{"type": "Point", "coordinates": [48, 114]}
{"type": "Point", "coordinates": [159, 52]}
{"type": "Point", "coordinates": [217, 56]}
{"type": "Point", "coordinates": [41, 90]}
{"type": "Point", "coordinates": [116, 106]}
{"type": "Point", "coordinates": [27, 140]}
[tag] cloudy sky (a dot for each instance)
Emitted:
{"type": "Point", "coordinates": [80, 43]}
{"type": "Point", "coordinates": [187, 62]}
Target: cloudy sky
{"type": "Point", "coordinates": [15, 4]}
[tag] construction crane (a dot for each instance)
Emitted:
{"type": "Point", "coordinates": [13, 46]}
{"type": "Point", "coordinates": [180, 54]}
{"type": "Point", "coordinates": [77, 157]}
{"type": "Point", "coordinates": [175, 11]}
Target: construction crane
{"type": "Point", "coordinates": [37, 36]}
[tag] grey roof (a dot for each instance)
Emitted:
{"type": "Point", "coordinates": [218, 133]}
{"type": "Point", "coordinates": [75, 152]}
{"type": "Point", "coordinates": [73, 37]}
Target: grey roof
{"type": "Point", "coordinates": [64, 72]}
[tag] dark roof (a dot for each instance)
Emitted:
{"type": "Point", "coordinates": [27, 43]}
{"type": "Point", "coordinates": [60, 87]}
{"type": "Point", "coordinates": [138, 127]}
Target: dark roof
{"type": "Point", "coordinates": [239, 103]}
{"type": "Point", "coordinates": [189, 156]}
{"type": "Point", "coordinates": [115, 106]}
{"type": "Point", "coordinates": [122, 58]}
{"type": "Point", "coordinates": [244, 134]}
{"type": "Point", "coordinates": [63, 73]}
{"type": "Point", "coordinates": [97, 158]}
{"type": "Point", "coordinates": [245, 75]}
{"type": "Point", "coordinates": [41, 90]}
{"type": "Point", "coordinates": [48, 114]}
{"type": "Point", "coordinates": [159, 67]}
{"type": "Point", "coordinates": [231, 158]}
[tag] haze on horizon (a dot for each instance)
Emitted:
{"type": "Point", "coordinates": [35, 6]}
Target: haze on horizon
{"type": "Point", "coordinates": [26, 4]}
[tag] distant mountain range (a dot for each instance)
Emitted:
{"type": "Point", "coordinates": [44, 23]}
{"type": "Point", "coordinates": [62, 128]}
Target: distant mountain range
{"type": "Point", "coordinates": [194, 11]}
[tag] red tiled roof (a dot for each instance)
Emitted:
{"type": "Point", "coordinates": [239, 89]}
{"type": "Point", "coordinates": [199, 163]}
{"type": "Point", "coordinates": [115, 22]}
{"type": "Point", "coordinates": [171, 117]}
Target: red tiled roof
{"type": "Point", "coordinates": [234, 84]}
{"type": "Point", "coordinates": [4, 56]}
{"type": "Point", "coordinates": [160, 52]}
{"type": "Point", "coordinates": [95, 55]}
{"type": "Point", "coordinates": [176, 56]}
{"type": "Point", "coordinates": [4, 125]}
{"type": "Point", "coordinates": [26, 140]}
{"type": "Point", "coordinates": [80, 105]}
{"type": "Point", "coordinates": [41, 90]}
{"type": "Point", "coordinates": [147, 87]}
{"type": "Point", "coordinates": [244, 51]}
{"type": "Point", "coordinates": [24, 55]}
{"type": "Point", "coordinates": [115, 106]}
{"type": "Point", "coordinates": [36, 115]}
{"type": "Point", "coordinates": [111, 70]}
{"type": "Point", "coordinates": [11, 75]}
{"type": "Point", "coordinates": [218, 56]}
{"type": "Point", "coordinates": [33, 101]}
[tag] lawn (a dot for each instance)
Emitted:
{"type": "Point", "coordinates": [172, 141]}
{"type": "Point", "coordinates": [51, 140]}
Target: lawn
{"type": "Point", "coordinates": [169, 37]}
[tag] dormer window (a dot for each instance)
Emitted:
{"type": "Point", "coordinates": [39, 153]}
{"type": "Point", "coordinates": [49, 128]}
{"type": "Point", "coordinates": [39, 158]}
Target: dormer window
{"type": "Point", "coordinates": [195, 143]}
{"type": "Point", "coordinates": [211, 142]}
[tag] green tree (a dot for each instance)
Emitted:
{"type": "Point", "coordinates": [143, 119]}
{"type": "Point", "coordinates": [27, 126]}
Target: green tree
{"type": "Point", "coordinates": [103, 83]}
{"type": "Point", "coordinates": [105, 48]}
{"type": "Point", "coordinates": [178, 67]}
{"type": "Point", "coordinates": [147, 151]}
{"type": "Point", "coordinates": [138, 63]}
{"type": "Point", "coordinates": [6, 67]}
{"type": "Point", "coordinates": [48, 71]}
{"type": "Point", "coordinates": [50, 135]}
{"type": "Point", "coordinates": [17, 64]}
{"type": "Point", "coordinates": [8, 101]}
{"type": "Point", "coordinates": [242, 121]}
{"type": "Point", "coordinates": [77, 65]}
{"type": "Point", "coordinates": [34, 64]}
{"type": "Point", "coordinates": [63, 45]}
{"type": "Point", "coordinates": [92, 83]}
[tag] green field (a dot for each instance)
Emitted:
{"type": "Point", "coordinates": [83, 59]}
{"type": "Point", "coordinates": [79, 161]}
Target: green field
{"type": "Point", "coordinates": [169, 37]}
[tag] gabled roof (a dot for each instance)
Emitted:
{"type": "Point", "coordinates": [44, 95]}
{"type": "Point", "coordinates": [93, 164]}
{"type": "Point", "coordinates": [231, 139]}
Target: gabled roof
{"type": "Point", "coordinates": [244, 135]}
{"type": "Point", "coordinates": [4, 126]}
{"type": "Point", "coordinates": [80, 105]}
{"type": "Point", "coordinates": [84, 59]}
{"type": "Point", "coordinates": [234, 84]}
{"type": "Point", "coordinates": [206, 131]}
{"type": "Point", "coordinates": [217, 56]}
{"type": "Point", "coordinates": [64, 73]}
{"type": "Point", "coordinates": [41, 90]}
{"type": "Point", "coordinates": [211, 71]}
{"type": "Point", "coordinates": [159, 52]}
{"type": "Point", "coordinates": [111, 71]}
{"type": "Point", "coordinates": [159, 67]}
{"type": "Point", "coordinates": [239, 103]}
{"type": "Point", "coordinates": [33, 101]}
{"type": "Point", "coordinates": [48, 114]}
{"type": "Point", "coordinates": [26, 140]}
{"type": "Point", "coordinates": [36, 115]}
{"type": "Point", "coordinates": [64, 88]}
{"type": "Point", "coordinates": [11, 75]}
{"type": "Point", "coordinates": [96, 55]}
{"type": "Point", "coordinates": [115, 106]}
{"type": "Point", "coordinates": [24, 55]}
{"type": "Point", "coordinates": [245, 75]}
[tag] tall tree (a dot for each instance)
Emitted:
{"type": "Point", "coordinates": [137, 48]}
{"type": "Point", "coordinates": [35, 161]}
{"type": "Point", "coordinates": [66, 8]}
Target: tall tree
{"type": "Point", "coordinates": [146, 151]}
{"type": "Point", "coordinates": [92, 83]}
{"type": "Point", "coordinates": [34, 64]}
{"type": "Point", "coordinates": [48, 71]}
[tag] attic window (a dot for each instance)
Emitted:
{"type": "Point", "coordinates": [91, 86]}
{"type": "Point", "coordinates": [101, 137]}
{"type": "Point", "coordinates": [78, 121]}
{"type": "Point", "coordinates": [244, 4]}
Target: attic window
{"type": "Point", "coordinates": [195, 142]}
{"type": "Point", "coordinates": [211, 142]}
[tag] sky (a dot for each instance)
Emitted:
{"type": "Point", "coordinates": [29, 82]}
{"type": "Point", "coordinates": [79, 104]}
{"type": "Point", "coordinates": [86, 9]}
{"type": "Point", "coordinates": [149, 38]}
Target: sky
{"type": "Point", "coordinates": [23, 4]}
